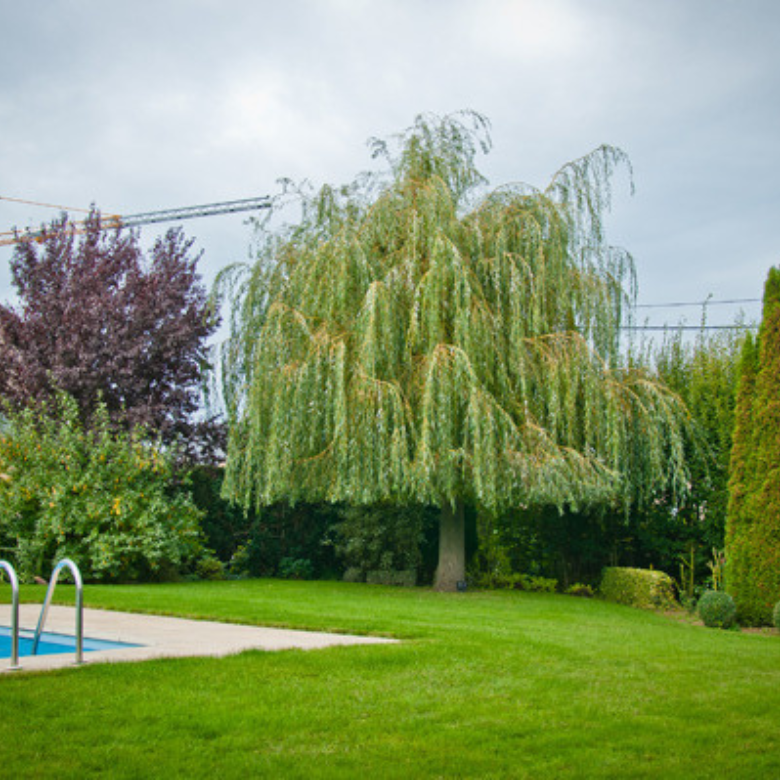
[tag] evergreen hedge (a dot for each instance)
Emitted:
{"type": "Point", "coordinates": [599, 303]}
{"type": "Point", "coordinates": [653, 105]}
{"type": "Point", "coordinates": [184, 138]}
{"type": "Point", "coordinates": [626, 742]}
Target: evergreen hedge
{"type": "Point", "coordinates": [753, 524]}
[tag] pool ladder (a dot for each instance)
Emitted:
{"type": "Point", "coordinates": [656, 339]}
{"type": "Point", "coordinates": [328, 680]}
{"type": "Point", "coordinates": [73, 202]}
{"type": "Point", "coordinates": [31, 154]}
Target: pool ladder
{"type": "Point", "coordinates": [9, 570]}
{"type": "Point", "coordinates": [74, 570]}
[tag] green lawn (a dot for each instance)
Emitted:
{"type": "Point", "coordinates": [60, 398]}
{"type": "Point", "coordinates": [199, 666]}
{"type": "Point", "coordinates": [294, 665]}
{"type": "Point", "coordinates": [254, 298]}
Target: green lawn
{"type": "Point", "coordinates": [484, 685]}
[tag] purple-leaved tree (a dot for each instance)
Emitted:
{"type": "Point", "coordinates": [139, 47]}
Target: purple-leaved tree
{"type": "Point", "coordinates": [98, 319]}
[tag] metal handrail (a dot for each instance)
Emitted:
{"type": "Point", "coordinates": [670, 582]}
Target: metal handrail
{"type": "Point", "coordinates": [65, 562]}
{"type": "Point", "coordinates": [9, 570]}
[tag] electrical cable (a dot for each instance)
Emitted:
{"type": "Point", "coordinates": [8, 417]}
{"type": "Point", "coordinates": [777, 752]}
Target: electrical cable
{"type": "Point", "coordinates": [696, 303]}
{"type": "Point", "coordinates": [686, 327]}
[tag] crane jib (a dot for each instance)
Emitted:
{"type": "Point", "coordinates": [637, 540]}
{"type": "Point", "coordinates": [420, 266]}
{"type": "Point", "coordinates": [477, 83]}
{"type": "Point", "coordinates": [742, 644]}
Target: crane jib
{"type": "Point", "coordinates": [150, 217]}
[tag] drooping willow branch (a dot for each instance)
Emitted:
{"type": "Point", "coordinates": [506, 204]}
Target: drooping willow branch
{"type": "Point", "coordinates": [396, 345]}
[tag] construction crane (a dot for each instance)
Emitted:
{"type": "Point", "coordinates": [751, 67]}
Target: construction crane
{"type": "Point", "coordinates": [135, 220]}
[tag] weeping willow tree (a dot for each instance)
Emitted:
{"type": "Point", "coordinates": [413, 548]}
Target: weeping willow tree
{"type": "Point", "coordinates": [414, 338]}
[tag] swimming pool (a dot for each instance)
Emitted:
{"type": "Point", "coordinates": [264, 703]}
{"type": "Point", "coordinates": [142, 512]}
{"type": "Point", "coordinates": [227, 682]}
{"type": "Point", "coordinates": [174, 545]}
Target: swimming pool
{"type": "Point", "coordinates": [52, 644]}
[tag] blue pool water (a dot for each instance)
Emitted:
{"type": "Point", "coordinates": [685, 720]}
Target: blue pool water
{"type": "Point", "coordinates": [51, 644]}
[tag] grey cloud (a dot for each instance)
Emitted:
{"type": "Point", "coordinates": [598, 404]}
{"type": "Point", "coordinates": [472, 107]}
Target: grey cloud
{"type": "Point", "coordinates": [180, 102]}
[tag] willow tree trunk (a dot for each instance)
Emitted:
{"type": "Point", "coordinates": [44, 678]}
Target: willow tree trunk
{"type": "Point", "coordinates": [452, 547]}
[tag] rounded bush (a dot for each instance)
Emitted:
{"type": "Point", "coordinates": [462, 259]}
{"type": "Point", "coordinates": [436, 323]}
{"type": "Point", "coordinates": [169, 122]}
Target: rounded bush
{"type": "Point", "coordinates": [717, 609]}
{"type": "Point", "coordinates": [776, 616]}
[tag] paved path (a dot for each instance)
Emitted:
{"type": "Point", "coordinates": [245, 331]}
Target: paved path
{"type": "Point", "coordinates": [164, 637]}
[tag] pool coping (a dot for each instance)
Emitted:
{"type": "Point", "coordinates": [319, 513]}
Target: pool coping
{"type": "Point", "coordinates": [165, 637]}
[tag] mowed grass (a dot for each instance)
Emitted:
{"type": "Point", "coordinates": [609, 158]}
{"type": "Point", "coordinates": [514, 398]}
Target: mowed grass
{"type": "Point", "coordinates": [483, 685]}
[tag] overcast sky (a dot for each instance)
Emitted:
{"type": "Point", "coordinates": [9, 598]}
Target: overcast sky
{"type": "Point", "coordinates": [150, 105]}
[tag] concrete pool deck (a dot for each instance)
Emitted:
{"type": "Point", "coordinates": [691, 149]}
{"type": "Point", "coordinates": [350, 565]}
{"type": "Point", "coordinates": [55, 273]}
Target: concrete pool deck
{"type": "Point", "coordinates": [164, 637]}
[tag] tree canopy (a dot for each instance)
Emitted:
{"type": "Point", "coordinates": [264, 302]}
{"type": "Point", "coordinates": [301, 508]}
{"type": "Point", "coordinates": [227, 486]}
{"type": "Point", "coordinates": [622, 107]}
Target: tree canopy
{"type": "Point", "coordinates": [97, 320]}
{"type": "Point", "coordinates": [418, 339]}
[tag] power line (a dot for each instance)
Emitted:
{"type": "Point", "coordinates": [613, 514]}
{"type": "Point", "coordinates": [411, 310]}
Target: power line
{"type": "Point", "coordinates": [696, 303]}
{"type": "Point", "coordinates": [43, 205]}
{"type": "Point", "coordinates": [686, 327]}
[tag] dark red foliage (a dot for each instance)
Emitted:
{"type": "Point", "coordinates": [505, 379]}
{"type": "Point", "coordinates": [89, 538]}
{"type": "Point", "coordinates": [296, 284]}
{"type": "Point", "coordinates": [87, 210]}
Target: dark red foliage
{"type": "Point", "coordinates": [97, 319]}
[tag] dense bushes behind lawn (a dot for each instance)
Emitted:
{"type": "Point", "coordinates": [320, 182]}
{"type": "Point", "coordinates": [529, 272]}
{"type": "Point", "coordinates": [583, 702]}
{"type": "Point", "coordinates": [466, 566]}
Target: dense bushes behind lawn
{"type": "Point", "coordinates": [94, 493]}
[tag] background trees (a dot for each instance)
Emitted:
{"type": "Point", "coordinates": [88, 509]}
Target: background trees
{"type": "Point", "coordinates": [100, 378]}
{"type": "Point", "coordinates": [96, 320]}
{"type": "Point", "coordinates": [753, 527]}
{"type": "Point", "coordinates": [683, 538]}
{"type": "Point", "coordinates": [705, 373]}
{"type": "Point", "coordinates": [415, 341]}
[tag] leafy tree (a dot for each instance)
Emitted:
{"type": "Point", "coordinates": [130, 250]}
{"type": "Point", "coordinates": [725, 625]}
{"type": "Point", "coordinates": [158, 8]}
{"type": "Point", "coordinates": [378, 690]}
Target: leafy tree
{"type": "Point", "coordinates": [753, 526]}
{"type": "Point", "coordinates": [98, 321]}
{"type": "Point", "coordinates": [413, 340]}
{"type": "Point", "coordinates": [95, 493]}
{"type": "Point", "coordinates": [705, 374]}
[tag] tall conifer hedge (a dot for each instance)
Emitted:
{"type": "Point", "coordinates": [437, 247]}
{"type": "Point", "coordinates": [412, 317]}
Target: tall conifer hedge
{"type": "Point", "coordinates": [753, 525]}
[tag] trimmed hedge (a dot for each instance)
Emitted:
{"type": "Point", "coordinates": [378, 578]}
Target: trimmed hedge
{"type": "Point", "coordinates": [776, 616]}
{"type": "Point", "coordinates": [643, 588]}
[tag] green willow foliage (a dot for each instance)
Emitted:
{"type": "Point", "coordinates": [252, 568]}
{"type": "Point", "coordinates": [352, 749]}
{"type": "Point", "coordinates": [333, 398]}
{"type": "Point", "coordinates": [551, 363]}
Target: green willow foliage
{"type": "Point", "coordinates": [753, 525]}
{"type": "Point", "coordinates": [413, 339]}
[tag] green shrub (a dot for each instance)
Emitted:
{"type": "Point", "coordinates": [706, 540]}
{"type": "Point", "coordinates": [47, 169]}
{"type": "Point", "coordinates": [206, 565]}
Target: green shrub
{"type": "Point", "coordinates": [238, 566]}
{"type": "Point", "coordinates": [407, 578]}
{"type": "Point", "coordinates": [717, 609]}
{"type": "Point", "coordinates": [296, 569]}
{"type": "Point", "coordinates": [94, 493]}
{"type": "Point", "coordinates": [495, 579]}
{"type": "Point", "coordinates": [776, 616]}
{"type": "Point", "coordinates": [643, 588]}
{"type": "Point", "coordinates": [500, 579]}
{"type": "Point", "coordinates": [537, 584]}
{"type": "Point", "coordinates": [579, 589]}
{"type": "Point", "coordinates": [209, 568]}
